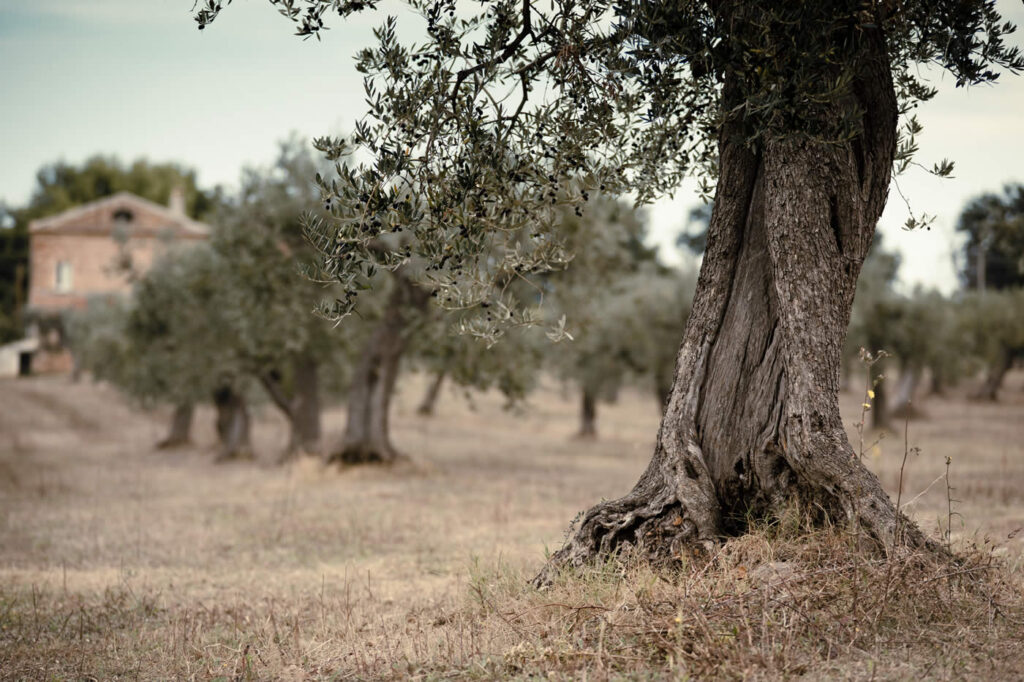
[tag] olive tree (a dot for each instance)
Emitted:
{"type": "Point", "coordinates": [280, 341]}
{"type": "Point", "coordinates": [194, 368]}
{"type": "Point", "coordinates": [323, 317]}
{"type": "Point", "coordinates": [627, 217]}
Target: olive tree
{"type": "Point", "coordinates": [165, 345]}
{"type": "Point", "coordinates": [993, 253]}
{"type": "Point", "coordinates": [913, 334]}
{"type": "Point", "coordinates": [367, 437]}
{"type": "Point", "coordinates": [626, 310]}
{"type": "Point", "coordinates": [626, 334]}
{"type": "Point", "coordinates": [218, 318]}
{"type": "Point", "coordinates": [447, 343]}
{"type": "Point", "coordinates": [264, 300]}
{"type": "Point", "coordinates": [607, 243]}
{"type": "Point", "coordinates": [993, 258]}
{"type": "Point", "coordinates": [992, 325]}
{"type": "Point", "coordinates": [512, 367]}
{"type": "Point", "coordinates": [662, 299]}
{"type": "Point", "coordinates": [792, 110]}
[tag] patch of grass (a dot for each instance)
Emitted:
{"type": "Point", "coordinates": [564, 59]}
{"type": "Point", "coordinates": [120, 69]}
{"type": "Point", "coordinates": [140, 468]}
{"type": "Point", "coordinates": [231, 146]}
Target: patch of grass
{"type": "Point", "coordinates": [768, 605]}
{"type": "Point", "coordinates": [121, 562]}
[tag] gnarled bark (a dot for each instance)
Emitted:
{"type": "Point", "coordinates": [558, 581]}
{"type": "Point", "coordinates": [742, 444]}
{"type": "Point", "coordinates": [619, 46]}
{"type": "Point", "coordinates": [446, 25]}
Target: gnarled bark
{"type": "Point", "coordinates": [367, 438]}
{"type": "Point", "coordinates": [233, 425]}
{"type": "Point", "coordinates": [752, 424]}
{"type": "Point", "coordinates": [180, 432]}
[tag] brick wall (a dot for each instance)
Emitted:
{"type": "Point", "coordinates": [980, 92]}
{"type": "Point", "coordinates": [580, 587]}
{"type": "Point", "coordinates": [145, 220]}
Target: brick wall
{"type": "Point", "coordinates": [93, 259]}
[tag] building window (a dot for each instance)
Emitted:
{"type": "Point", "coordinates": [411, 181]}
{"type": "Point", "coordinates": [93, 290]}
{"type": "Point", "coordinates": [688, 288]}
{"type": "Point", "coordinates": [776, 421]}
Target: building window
{"type": "Point", "coordinates": [64, 277]}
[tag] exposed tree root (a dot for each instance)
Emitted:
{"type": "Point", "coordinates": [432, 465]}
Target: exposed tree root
{"type": "Point", "coordinates": [365, 454]}
{"type": "Point", "coordinates": [243, 454]}
{"type": "Point", "coordinates": [172, 443]}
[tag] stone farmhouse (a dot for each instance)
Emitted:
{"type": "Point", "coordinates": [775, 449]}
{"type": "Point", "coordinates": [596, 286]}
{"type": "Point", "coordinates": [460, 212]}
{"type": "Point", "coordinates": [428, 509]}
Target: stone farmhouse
{"type": "Point", "coordinates": [95, 249]}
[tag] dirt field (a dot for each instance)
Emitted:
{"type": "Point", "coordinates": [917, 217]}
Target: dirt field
{"type": "Point", "coordinates": [119, 561]}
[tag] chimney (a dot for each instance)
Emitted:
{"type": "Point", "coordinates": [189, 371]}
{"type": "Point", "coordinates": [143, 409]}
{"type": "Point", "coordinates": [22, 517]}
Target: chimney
{"type": "Point", "coordinates": [176, 202]}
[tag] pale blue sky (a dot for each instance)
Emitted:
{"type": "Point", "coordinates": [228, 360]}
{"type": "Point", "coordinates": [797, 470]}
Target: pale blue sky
{"type": "Point", "coordinates": [135, 78]}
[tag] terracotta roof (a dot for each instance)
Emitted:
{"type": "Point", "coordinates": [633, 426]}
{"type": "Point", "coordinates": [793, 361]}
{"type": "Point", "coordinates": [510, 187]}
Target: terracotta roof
{"type": "Point", "coordinates": [99, 216]}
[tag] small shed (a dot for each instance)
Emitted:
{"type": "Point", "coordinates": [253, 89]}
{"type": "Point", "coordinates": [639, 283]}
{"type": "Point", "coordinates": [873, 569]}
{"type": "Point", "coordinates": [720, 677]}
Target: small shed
{"type": "Point", "coordinates": [16, 357]}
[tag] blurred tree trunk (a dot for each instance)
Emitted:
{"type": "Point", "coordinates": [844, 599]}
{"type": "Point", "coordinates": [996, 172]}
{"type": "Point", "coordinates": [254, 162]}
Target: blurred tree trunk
{"type": "Point", "coordinates": [300, 404]}
{"type": "Point", "coordinates": [994, 377]}
{"type": "Point", "coordinates": [753, 424]}
{"type": "Point", "coordinates": [429, 402]}
{"type": "Point", "coordinates": [880, 403]}
{"type": "Point", "coordinates": [233, 425]}
{"type": "Point", "coordinates": [306, 429]}
{"type": "Point", "coordinates": [588, 414]}
{"type": "Point", "coordinates": [367, 437]}
{"type": "Point", "coordinates": [903, 405]}
{"type": "Point", "coordinates": [180, 432]}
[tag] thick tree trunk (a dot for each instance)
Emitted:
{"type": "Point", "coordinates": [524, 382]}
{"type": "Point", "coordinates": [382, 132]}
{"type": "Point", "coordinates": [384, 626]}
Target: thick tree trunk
{"type": "Point", "coordinates": [588, 415]}
{"type": "Point", "coordinates": [429, 402]}
{"type": "Point", "coordinates": [300, 405]}
{"type": "Point", "coordinates": [753, 424]}
{"type": "Point", "coordinates": [367, 438]}
{"type": "Point", "coordinates": [994, 377]}
{"type": "Point", "coordinates": [180, 432]}
{"type": "Point", "coordinates": [233, 425]}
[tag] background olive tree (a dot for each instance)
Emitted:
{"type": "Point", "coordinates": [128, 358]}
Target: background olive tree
{"type": "Point", "coordinates": [218, 318]}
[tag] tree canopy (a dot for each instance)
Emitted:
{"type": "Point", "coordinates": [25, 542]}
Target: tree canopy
{"type": "Point", "coordinates": [993, 255]}
{"type": "Point", "coordinates": [474, 134]}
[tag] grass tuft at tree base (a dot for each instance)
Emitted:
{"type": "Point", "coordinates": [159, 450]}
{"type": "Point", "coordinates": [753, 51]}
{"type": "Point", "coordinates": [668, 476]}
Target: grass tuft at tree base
{"type": "Point", "coordinates": [768, 605]}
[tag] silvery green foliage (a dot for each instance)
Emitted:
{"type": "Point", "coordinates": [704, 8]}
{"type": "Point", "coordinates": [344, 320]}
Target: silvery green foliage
{"type": "Point", "coordinates": [512, 366]}
{"type": "Point", "coordinates": [991, 324]}
{"type": "Point", "coordinates": [166, 343]}
{"type": "Point", "coordinates": [97, 339]}
{"type": "Point", "coordinates": [922, 330]}
{"type": "Point", "coordinates": [506, 110]}
{"type": "Point", "coordinates": [262, 294]}
{"type": "Point", "coordinates": [449, 341]}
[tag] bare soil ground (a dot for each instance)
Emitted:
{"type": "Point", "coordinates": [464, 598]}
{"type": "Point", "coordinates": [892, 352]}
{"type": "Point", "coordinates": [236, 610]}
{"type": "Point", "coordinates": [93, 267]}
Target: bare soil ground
{"type": "Point", "coordinates": [118, 561]}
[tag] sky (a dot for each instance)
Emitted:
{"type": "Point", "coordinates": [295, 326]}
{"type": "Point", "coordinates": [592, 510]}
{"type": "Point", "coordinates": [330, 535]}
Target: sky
{"type": "Point", "coordinates": [135, 78]}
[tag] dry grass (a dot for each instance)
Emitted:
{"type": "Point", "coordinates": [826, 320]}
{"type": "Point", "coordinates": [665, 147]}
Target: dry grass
{"type": "Point", "coordinates": [117, 561]}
